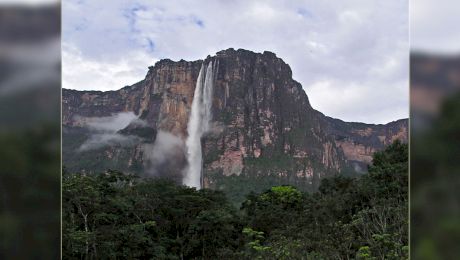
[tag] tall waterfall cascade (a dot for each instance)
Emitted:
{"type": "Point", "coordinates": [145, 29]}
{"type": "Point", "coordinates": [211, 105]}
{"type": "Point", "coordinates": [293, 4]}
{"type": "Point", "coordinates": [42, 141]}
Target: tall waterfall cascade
{"type": "Point", "coordinates": [199, 124]}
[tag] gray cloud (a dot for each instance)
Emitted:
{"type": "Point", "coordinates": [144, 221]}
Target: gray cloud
{"type": "Point", "coordinates": [353, 47]}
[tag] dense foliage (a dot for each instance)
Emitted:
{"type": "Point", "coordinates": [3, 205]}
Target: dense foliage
{"type": "Point", "coordinates": [122, 217]}
{"type": "Point", "coordinates": [29, 183]}
{"type": "Point", "coordinates": [435, 194]}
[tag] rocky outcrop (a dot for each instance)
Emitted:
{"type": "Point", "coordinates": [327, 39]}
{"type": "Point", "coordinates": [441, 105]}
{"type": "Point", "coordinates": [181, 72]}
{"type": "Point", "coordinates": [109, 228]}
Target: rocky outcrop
{"type": "Point", "coordinates": [263, 124]}
{"type": "Point", "coordinates": [359, 141]}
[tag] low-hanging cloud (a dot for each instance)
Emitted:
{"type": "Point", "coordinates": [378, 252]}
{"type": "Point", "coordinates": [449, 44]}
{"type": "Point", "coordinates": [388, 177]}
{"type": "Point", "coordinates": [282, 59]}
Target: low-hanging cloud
{"type": "Point", "coordinates": [28, 65]}
{"type": "Point", "coordinates": [100, 140]}
{"type": "Point", "coordinates": [109, 124]}
{"type": "Point", "coordinates": [104, 130]}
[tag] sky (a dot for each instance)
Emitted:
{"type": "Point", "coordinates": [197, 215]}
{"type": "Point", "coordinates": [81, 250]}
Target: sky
{"type": "Point", "coordinates": [351, 57]}
{"type": "Point", "coordinates": [28, 2]}
{"type": "Point", "coordinates": [434, 26]}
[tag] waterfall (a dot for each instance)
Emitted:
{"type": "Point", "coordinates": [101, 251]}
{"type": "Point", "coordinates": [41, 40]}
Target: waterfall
{"type": "Point", "coordinates": [198, 124]}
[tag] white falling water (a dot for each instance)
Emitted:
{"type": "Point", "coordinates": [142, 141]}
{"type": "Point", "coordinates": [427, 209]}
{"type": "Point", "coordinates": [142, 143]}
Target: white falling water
{"type": "Point", "coordinates": [198, 124]}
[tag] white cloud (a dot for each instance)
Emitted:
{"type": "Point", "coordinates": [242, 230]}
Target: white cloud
{"type": "Point", "coordinates": [357, 43]}
{"type": "Point", "coordinates": [97, 141]}
{"type": "Point", "coordinates": [362, 100]}
{"type": "Point", "coordinates": [83, 73]}
{"type": "Point", "coordinates": [111, 124]}
{"type": "Point", "coordinates": [34, 65]}
{"type": "Point", "coordinates": [104, 130]}
{"type": "Point", "coordinates": [28, 2]}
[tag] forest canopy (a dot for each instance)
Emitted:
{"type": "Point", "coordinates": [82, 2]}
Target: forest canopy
{"type": "Point", "coordinates": [118, 216]}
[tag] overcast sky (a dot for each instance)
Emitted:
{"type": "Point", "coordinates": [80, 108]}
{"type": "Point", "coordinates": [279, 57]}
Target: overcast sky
{"type": "Point", "coordinates": [350, 56]}
{"type": "Point", "coordinates": [434, 26]}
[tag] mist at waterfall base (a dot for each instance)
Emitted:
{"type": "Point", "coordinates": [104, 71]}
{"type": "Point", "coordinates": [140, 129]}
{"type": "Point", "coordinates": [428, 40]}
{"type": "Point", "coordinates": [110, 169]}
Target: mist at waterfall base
{"type": "Point", "coordinates": [200, 117]}
{"type": "Point", "coordinates": [165, 158]}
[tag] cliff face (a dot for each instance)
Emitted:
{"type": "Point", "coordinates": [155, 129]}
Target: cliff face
{"type": "Point", "coordinates": [263, 126]}
{"type": "Point", "coordinates": [433, 79]}
{"type": "Point", "coordinates": [359, 141]}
